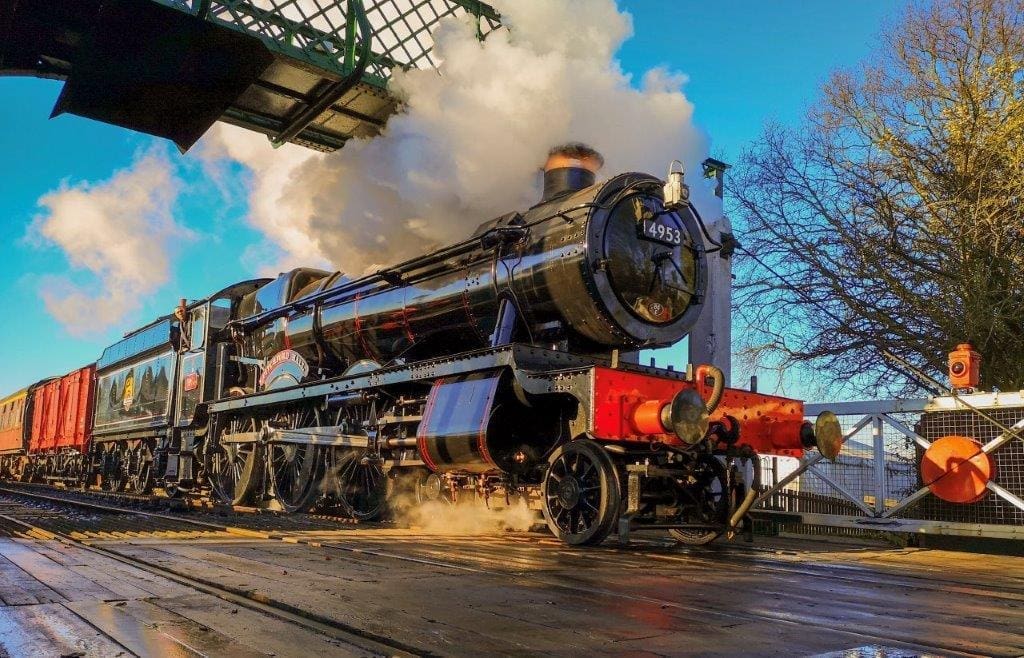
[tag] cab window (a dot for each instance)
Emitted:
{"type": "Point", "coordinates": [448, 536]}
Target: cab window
{"type": "Point", "coordinates": [220, 313]}
{"type": "Point", "coordinates": [198, 332]}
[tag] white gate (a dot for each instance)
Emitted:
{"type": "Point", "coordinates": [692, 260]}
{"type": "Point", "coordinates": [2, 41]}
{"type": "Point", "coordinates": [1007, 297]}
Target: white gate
{"type": "Point", "coordinates": [874, 483]}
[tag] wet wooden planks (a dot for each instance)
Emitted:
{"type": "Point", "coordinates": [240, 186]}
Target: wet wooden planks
{"type": "Point", "coordinates": [461, 596]}
{"type": "Point", "coordinates": [62, 601]}
{"type": "Point", "coordinates": [511, 595]}
{"type": "Point", "coordinates": [51, 630]}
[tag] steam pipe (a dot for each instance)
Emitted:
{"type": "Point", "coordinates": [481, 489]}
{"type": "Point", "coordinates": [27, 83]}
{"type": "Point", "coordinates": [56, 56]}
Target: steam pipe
{"type": "Point", "coordinates": [506, 323]}
{"type": "Point", "coordinates": [748, 500]}
{"type": "Point", "coordinates": [718, 389]}
{"type": "Point", "coordinates": [345, 399]}
{"type": "Point", "coordinates": [395, 443]}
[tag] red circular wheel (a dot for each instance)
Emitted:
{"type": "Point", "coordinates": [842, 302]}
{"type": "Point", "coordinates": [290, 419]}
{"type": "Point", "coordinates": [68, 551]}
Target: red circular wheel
{"type": "Point", "coordinates": [956, 470]}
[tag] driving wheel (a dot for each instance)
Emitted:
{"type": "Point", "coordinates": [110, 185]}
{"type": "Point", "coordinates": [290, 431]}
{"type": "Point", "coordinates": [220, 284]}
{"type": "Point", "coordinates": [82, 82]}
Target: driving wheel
{"type": "Point", "coordinates": [582, 493]}
{"type": "Point", "coordinates": [235, 469]}
{"type": "Point", "coordinates": [356, 480]}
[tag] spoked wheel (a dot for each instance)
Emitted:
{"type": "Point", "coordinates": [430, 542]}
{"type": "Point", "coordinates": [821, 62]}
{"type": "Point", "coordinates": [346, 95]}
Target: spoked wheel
{"type": "Point", "coordinates": [140, 471]}
{"type": "Point", "coordinates": [432, 488]}
{"type": "Point", "coordinates": [21, 470]}
{"type": "Point", "coordinates": [114, 474]}
{"type": "Point", "coordinates": [235, 469]}
{"type": "Point", "coordinates": [581, 493]}
{"type": "Point", "coordinates": [356, 480]}
{"type": "Point", "coordinates": [296, 468]}
{"type": "Point", "coordinates": [705, 502]}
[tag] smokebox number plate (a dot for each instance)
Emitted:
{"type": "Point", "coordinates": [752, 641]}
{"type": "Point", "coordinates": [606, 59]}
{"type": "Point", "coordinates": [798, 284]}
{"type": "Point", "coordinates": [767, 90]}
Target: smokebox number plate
{"type": "Point", "coordinates": [652, 229]}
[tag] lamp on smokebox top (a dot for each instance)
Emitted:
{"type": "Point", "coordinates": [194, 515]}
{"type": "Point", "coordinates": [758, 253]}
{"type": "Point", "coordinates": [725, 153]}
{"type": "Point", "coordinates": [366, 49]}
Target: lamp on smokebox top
{"type": "Point", "coordinates": [964, 368]}
{"type": "Point", "coordinates": [676, 192]}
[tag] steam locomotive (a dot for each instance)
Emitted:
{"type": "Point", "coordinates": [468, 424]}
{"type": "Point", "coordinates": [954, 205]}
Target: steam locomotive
{"type": "Point", "coordinates": [496, 368]}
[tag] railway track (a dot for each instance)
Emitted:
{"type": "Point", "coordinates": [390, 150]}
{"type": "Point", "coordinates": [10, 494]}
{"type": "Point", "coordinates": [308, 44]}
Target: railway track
{"type": "Point", "coordinates": [88, 522]}
{"type": "Point", "coordinates": [175, 513]}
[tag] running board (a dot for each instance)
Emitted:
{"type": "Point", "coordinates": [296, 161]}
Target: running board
{"type": "Point", "coordinates": [318, 436]}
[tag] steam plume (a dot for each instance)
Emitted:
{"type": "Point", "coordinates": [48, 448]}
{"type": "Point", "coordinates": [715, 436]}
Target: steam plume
{"type": "Point", "coordinates": [469, 518]}
{"type": "Point", "coordinates": [469, 141]}
{"type": "Point", "coordinates": [121, 231]}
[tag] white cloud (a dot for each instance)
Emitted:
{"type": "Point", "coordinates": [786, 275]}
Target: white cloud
{"type": "Point", "coordinates": [121, 231]}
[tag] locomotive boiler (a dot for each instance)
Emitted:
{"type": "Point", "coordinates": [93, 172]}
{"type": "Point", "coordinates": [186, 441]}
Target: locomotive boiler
{"type": "Point", "coordinates": [589, 269]}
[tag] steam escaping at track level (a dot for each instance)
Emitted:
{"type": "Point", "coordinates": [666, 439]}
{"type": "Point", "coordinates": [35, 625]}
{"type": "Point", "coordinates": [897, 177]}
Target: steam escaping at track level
{"type": "Point", "coordinates": [419, 511]}
{"type": "Point", "coordinates": [468, 518]}
{"type": "Point", "coordinates": [467, 142]}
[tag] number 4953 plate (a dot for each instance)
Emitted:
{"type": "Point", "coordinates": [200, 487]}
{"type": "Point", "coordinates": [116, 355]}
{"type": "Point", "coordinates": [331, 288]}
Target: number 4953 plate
{"type": "Point", "coordinates": [652, 229]}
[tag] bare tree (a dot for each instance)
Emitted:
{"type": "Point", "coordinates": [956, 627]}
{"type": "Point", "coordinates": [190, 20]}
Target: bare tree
{"type": "Point", "coordinates": [892, 217]}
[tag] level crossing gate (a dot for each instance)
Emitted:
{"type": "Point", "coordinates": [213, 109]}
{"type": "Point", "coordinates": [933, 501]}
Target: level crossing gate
{"type": "Point", "coordinates": [875, 482]}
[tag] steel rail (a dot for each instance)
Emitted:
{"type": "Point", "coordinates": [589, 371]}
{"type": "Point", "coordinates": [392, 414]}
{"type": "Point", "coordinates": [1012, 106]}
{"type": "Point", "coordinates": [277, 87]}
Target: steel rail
{"type": "Point", "coordinates": [205, 525]}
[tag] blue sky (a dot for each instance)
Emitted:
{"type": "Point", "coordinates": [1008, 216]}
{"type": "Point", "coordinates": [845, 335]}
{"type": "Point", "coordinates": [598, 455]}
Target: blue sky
{"type": "Point", "coordinates": [746, 62]}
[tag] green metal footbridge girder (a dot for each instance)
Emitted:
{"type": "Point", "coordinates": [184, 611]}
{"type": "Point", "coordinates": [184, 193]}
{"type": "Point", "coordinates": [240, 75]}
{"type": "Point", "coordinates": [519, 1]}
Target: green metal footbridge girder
{"type": "Point", "coordinates": [313, 72]}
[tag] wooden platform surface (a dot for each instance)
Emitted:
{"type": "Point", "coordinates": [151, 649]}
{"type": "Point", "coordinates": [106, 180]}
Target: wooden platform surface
{"type": "Point", "coordinates": [509, 595]}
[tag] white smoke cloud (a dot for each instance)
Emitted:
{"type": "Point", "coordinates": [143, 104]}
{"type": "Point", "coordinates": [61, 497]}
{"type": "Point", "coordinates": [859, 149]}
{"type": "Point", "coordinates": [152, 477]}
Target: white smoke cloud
{"type": "Point", "coordinates": [122, 231]}
{"type": "Point", "coordinates": [470, 139]}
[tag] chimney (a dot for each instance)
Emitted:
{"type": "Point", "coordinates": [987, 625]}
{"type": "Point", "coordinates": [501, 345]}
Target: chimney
{"type": "Point", "coordinates": [570, 167]}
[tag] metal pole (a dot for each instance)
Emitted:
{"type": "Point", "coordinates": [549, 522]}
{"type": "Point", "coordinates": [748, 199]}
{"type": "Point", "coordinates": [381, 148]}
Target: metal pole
{"type": "Point", "coordinates": [711, 337]}
{"type": "Point", "coordinates": [879, 451]}
{"type": "Point", "coordinates": [907, 502]}
{"type": "Point", "coordinates": [1005, 494]}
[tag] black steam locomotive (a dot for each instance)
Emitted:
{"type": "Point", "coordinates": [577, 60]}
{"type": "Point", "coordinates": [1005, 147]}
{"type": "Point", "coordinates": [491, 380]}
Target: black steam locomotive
{"type": "Point", "coordinates": [494, 368]}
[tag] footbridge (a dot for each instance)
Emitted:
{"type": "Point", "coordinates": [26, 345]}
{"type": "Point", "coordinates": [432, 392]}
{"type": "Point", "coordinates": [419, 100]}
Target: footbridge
{"type": "Point", "coordinates": [312, 72]}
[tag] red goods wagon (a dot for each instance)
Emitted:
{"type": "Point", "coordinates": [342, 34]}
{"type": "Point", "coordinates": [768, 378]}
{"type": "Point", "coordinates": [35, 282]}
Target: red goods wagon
{"type": "Point", "coordinates": [62, 414]}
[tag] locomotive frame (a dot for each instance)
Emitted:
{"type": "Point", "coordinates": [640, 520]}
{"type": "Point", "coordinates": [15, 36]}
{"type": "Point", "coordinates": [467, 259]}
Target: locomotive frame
{"type": "Point", "coordinates": [636, 469]}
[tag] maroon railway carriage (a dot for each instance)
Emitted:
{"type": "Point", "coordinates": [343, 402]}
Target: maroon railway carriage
{"type": "Point", "coordinates": [15, 421]}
